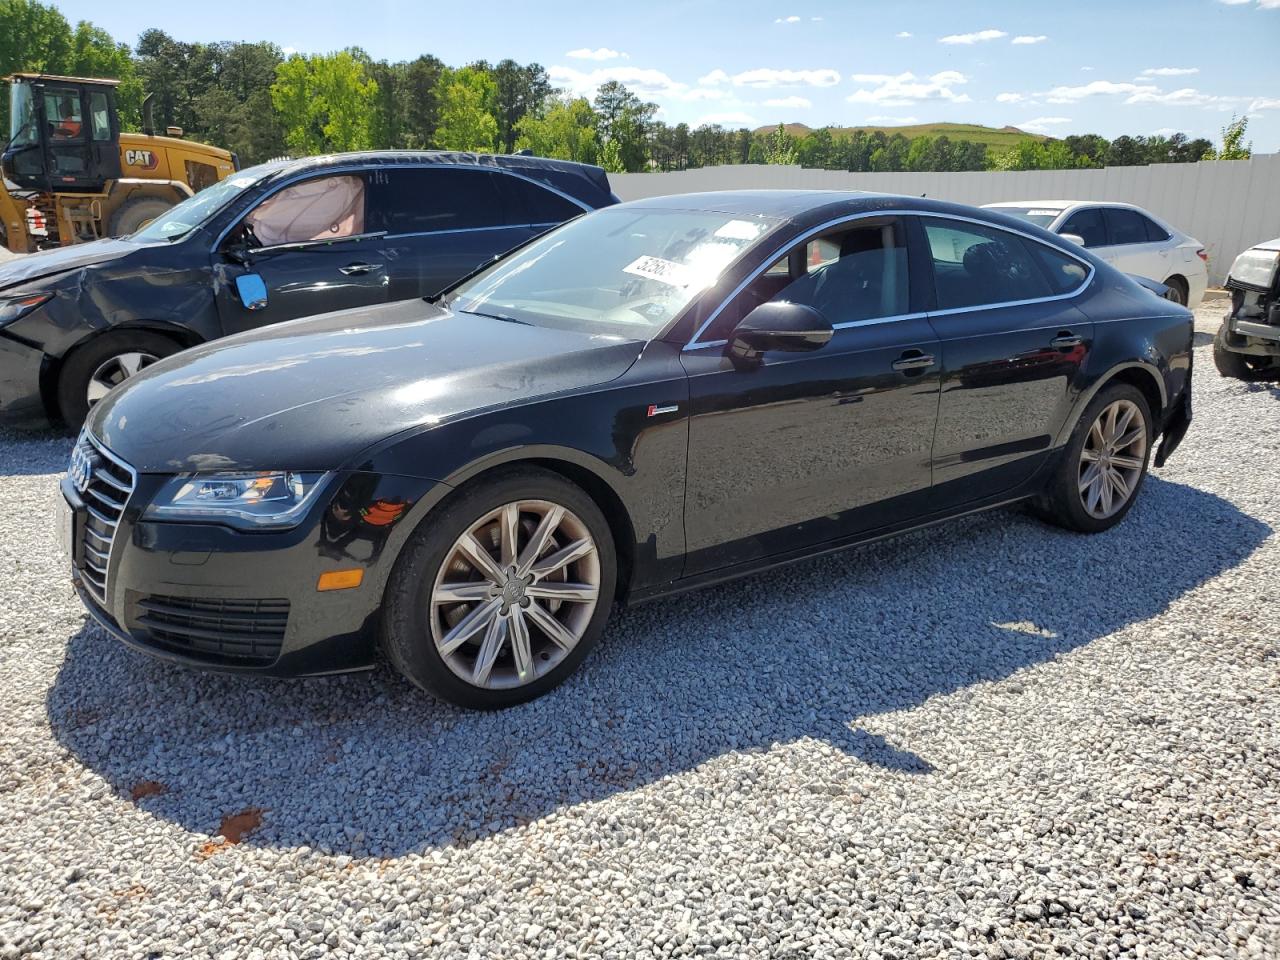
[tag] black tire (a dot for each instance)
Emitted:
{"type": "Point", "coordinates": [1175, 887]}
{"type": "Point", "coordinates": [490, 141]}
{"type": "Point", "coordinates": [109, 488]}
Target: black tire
{"type": "Point", "coordinates": [135, 214]}
{"type": "Point", "coordinates": [406, 630]}
{"type": "Point", "coordinates": [1061, 503]}
{"type": "Point", "coordinates": [80, 367]}
{"type": "Point", "coordinates": [1239, 366]}
{"type": "Point", "coordinates": [1179, 292]}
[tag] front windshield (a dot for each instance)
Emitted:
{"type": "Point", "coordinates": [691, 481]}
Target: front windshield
{"type": "Point", "coordinates": [22, 115]}
{"type": "Point", "coordinates": [622, 271]}
{"type": "Point", "coordinates": [1040, 216]}
{"type": "Point", "coordinates": [177, 222]}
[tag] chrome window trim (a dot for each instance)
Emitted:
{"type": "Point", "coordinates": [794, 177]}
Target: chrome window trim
{"type": "Point", "coordinates": [694, 344]}
{"type": "Point", "coordinates": [410, 165]}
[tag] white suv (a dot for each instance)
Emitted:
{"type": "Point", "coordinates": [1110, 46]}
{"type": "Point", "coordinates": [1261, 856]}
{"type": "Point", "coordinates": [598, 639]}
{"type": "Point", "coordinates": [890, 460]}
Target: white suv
{"type": "Point", "coordinates": [1127, 237]}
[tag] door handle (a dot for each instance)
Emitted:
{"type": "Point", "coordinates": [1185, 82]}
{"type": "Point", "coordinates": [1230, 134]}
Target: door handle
{"type": "Point", "coordinates": [1066, 340]}
{"type": "Point", "coordinates": [913, 360]}
{"type": "Point", "coordinates": [358, 268]}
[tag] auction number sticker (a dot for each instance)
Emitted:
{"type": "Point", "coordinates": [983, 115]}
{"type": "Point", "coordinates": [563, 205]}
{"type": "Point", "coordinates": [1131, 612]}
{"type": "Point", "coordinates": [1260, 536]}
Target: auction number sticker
{"type": "Point", "coordinates": [664, 271]}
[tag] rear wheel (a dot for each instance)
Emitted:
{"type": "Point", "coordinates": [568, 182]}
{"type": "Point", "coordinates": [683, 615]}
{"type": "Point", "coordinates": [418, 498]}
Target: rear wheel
{"type": "Point", "coordinates": [500, 593]}
{"type": "Point", "coordinates": [1103, 464]}
{"type": "Point", "coordinates": [136, 214]}
{"type": "Point", "coordinates": [91, 372]}
{"type": "Point", "coordinates": [1179, 293]}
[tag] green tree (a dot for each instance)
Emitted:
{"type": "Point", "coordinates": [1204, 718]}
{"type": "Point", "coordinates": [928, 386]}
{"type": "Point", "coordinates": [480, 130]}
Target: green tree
{"type": "Point", "coordinates": [780, 147]}
{"type": "Point", "coordinates": [325, 102]}
{"type": "Point", "coordinates": [466, 111]}
{"type": "Point", "coordinates": [520, 91]}
{"type": "Point", "coordinates": [624, 119]}
{"type": "Point", "coordinates": [1233, 145]}
{"type": "Point", "coordinates": [611, 157]}
{"type": "Point", "coordinates": [566, 130]}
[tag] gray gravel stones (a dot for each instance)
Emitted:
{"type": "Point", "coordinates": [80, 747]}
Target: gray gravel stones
{"type": "Point", "coordinates": [991, 739]}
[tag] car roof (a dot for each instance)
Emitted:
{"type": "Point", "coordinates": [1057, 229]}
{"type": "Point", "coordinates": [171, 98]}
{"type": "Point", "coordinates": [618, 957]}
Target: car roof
{"type": "Point", "coordinates": [583, 182]}
{"type": "Point", "coordinates": [1062, 205]}
{"type": "Point", "coordinates": [806, 206]}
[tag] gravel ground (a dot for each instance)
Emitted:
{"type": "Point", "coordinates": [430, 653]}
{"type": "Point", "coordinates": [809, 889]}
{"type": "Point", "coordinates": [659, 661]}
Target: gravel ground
{"type": "Point", "coordinates": [990, 739]}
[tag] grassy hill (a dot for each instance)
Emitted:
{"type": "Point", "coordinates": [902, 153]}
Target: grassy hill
{"type": "Point", "coordinates": [996, 138]}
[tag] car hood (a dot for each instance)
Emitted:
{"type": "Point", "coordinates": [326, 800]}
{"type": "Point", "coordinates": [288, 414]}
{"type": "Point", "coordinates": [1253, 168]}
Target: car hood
{"type": "Point", "coordinates": [313, 394]}
{"type": "Point", "coordinates": [48, 263]}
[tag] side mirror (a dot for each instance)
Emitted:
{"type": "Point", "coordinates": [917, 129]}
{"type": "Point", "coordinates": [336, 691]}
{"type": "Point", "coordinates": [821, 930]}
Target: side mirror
{"type": "Point", "coordinates": [778, 325]}
{"type": "Point", "coordinates": [1074, 238]}
{"type": "Point", "coordinates": [252, 291]}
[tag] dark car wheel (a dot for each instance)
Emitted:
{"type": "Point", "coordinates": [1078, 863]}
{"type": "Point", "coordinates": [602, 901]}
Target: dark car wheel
{"type": "Point", "coordinates": [1239, 366]}
{"type": "Point", "coordinates": [1103, 465]}
{"type": "Point", "coordinates": [92, 370]}
{"type": "Point", "coordinates": [501, 591]}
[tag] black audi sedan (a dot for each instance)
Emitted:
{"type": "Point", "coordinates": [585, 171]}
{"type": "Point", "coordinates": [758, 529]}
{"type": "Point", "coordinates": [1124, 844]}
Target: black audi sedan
{"type": "Point", "coordinates": [653, 397]}
{"type": "Point", "coordinates": [271, 243]}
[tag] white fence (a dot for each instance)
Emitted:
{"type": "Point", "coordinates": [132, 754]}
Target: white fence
{"type": "Point", "coordinates": [1228, 205]}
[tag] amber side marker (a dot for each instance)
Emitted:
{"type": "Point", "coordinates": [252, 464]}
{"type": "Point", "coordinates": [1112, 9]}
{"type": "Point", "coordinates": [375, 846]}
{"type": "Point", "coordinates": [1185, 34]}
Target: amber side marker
{"type": "Point", "coordinates": [340, 579]}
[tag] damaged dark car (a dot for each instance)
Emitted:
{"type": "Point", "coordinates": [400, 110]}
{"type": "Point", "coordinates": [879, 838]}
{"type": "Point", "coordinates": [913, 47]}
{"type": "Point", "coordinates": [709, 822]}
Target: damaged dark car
{"type": "Point", "coordinates": [271, 243]}
{"type": "Point", "coordinates": [1247, 346]}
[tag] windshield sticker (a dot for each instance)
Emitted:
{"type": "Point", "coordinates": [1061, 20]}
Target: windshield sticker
{"type": "Point", "coordinates": [1042, 213]}
{"type": "Point", "coordinates": [664, 271]}
{"type": "Point", "coordinates": [739, 230]}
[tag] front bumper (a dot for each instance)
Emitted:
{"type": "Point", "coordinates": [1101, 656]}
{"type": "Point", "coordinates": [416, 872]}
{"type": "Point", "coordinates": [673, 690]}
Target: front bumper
{"type": "Point", "coordinates": [21, 366]}
{"type": "Point", "coordinates": [208, 596]}
{"type": "Point", "coordinates": [1249, 338]}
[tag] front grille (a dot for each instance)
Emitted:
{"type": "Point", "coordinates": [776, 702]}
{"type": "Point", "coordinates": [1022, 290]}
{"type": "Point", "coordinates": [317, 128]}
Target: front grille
{"type": "Point", "coordinates": [236, 631]}
{"type": "Point", "coordinates": [104, 483]}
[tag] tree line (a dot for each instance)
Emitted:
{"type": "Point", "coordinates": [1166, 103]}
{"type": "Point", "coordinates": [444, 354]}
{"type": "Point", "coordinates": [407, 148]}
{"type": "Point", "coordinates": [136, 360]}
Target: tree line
{"type": "Point", "coordinates": [254, 99]}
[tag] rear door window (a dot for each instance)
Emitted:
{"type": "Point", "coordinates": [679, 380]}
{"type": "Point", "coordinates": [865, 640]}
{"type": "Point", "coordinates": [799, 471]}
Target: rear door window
{"type": "Point", "coordinates": [407, 200]}
{"type": "Point", "coordinates": [1088, 225]}
{"type": "Point", "coordinates": [1126, 226]}
{"type": "Point", "coordinates": [1155, 232]}
{"type": "Point", "coordinates": [529, 202]}
{"type": "Point", "coordinates": [977, 265]}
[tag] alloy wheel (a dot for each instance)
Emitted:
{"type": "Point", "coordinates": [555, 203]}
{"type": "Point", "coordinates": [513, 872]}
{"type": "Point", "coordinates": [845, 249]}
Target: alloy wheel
{"type": "Point", "coordinates": [115, 370]}
{"type": "Point", "coordinates": [515, 594]}
{"type": "Point", "coordinates": [1113, 458]}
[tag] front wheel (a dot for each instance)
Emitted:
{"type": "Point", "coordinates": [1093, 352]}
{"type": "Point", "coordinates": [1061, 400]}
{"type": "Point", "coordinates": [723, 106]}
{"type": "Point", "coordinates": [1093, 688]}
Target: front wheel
{"type": "Point", "coordinates": [104, 363]}
{"type": "Point", "coordinates": [1104, 463]}
{"type": "Point", "coordinates": [500, 593]}
{"type": "Point", "coordinates": [1240, 366]}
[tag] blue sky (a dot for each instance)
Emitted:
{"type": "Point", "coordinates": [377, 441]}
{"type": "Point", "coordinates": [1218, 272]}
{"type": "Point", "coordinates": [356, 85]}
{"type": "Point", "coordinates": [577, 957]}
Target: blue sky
{"type": "Point", "coordinates": [1068, 66]}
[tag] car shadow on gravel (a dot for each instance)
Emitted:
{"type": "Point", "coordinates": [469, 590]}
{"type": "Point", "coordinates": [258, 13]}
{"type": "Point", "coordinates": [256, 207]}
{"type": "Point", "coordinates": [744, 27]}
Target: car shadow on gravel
{"type": "Point", "coordinates": [33, 452]}
{"type": "Point", "coordinates": [366, 765]}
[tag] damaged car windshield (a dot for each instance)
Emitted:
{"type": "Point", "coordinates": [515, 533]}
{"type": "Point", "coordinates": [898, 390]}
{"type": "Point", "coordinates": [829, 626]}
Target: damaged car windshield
{"type": "Point", "coordinates": [626, 272]}
{"type": "Point", "coordinates": [177, 222]}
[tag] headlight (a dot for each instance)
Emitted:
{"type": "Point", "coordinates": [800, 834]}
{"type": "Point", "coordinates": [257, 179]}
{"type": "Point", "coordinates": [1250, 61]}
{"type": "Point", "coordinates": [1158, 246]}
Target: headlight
{"type": "Point", "coordinates": [13, 308]}
{"type": "Point", "coordinates": [251, 501]}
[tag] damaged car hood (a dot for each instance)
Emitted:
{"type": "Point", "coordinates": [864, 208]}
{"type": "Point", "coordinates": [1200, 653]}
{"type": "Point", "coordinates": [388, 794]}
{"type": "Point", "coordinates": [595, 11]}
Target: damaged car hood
{"type": "Point", "coordinates": [48, 263]}
{"type": "Point", "coordinates": [312, 394]}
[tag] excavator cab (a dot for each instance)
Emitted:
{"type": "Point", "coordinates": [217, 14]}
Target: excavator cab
{"type": "Point", "coordinates": [64, 133]}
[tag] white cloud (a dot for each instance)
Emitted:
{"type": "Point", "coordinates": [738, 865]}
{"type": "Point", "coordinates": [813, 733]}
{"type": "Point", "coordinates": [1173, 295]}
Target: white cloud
{"type": "Point", "coordinates": [1096, 88]}
{"type": "Point", "coordinates": [904, 35]}
{"type": "Point", "coordinates": [1262, 4]}
{"type": "Point", "coordinates": [288, 51]}
{"type": "Point", "coordinates": [796, 103]}
{"type": "Point", "coordinates": [1186, 97]}
{"type": "Point", "coordinates": [1264, 103]}
{"type": "Point", "coordinates": [764, 78]}
{"type": "Point", "coordinates": [906, 89]}
{"type": "Point", "coordinates": [979, 36]}
{"type": "Point", "coordinates": [1087, 69]}
{"type": "Point", "coordinates": [787, 20]}
{"type": "Point", "coordinates": [1042, 124]}
{"type": "Point", "coordinates": [1233, 3]}
{"type": "Point", "coordinates": [600, 53]}
{"type": "Point", "coordinates": [1010, 98]}
{"type": "Point", "coordinates": [705, 93]}
{"type": "Point", "coordinates": [642, 81]}
{"type": "Point", "coordinates": [1027, 40]}
{"type": "Point", "coordinates": [1170, 71]}
{"type": "Point", "coordinates": [726, 120]}
{"type": "Point", "coordinates": [893, 121]}
{"type": "Point", "coordinates": [714, 78]}
{"type": "Point", "coordinates": [817, 19]}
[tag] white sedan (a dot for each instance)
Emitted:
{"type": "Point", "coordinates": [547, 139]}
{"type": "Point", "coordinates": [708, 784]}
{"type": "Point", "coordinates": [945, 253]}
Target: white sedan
{"type": "Point", "coordinates": [1127, 237]}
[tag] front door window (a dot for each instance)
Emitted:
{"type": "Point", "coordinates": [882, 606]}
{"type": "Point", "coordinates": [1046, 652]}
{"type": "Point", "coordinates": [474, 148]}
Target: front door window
{"type": "Point", "coordinates": [326, 208]}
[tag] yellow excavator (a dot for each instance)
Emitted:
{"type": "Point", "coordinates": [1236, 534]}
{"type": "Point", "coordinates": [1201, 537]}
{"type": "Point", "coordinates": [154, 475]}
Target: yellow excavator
{"type": "Point", "coordinates": [71, 176]}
